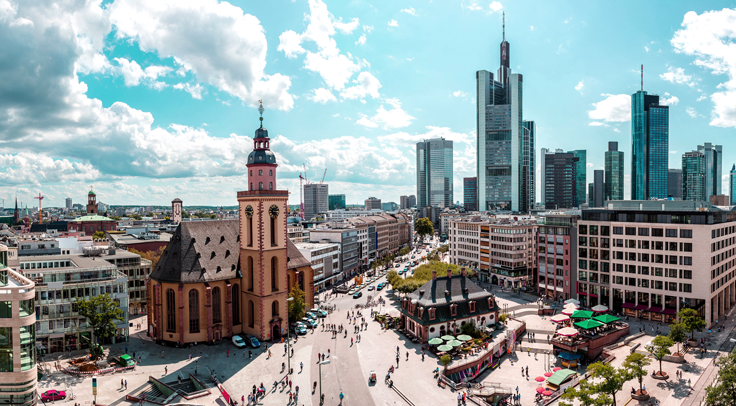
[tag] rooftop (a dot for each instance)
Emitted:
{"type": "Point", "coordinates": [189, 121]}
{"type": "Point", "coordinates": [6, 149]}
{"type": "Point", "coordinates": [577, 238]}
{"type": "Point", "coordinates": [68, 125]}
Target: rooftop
{"type": "Point", "coordinates": [92, 217]}
{"type": "Point", "coordinates": [312, 246]}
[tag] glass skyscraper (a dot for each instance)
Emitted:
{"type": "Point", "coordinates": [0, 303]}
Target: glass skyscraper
{"type": "Point", "coordinates": [434, 173]}
{"type": "Point", "coordinates": [732, 186]}
{"type": "Point", "coordinates": [614, 172]}
{"type": "Point", "coordinates": [336, 202]}
{"type": "Point", "coordinates": [713, 162]}
{"type": "Point", "coordinates": [470, 194]}
{"type": "Point", "coordinates": [693, 176]}
{"type": "Point", "coordinates": [649, 147]}
{"type": "Point", "coordinates": [580, 175]}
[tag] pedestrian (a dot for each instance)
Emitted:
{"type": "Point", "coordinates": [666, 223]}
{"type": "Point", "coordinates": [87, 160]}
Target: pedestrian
{"type": "Point", "coordinates": [341, 397]}
{"type": "Point", "coordinates": [121, 384]}
{"type": "Point", "coordinates": [126, 349]}
{"type": "Point", "coordinates": [250, 354]}
{"type": "Point", "coordinates": [166, 370]}
{"type": "Point", "coordinates": [407, 355]}
{"type": "Point", "coordinates": [228, 353]}
{"type": "Point", "coordinates": [126, 384]}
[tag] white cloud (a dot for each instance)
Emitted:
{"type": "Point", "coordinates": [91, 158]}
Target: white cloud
{"type": "Point", "coordinates": [365, 85]}
{"type": "Point", "coordinates": [236, 65]}
{"type": "Point", "coordinates": [673, 152]}
{"type": "Point", "coordinates": [531, 28]}
{"type": "Point", "coordinates": [336, 115]}
{"type": "Point", "coordinates": [579, 86]}
{"type": "Point", "coordinates": [495, 7]}
{"type": "Point", "coordinates": [134, 74]}
{"type": "Point", "coordinates": [669, 100]}
{"type": "Point", "coordinates": [388, 119]}
{"type": "Point", "coordinates": [194, 90]}
{"type": "Point", "coordinates": [361, 40]}
{"type": "Point", "coordinates": [646, 48]}
{"type": "Point", "coordinates": [614, 108]}
{"type": "Point", "coordinates": [711, 38]}
{"type": "Point", "coordinates": [346, 28]}
{"type": "Point", "coordinates": [459, 93]}
{"type": "Point", "coordinates": [691, 111]}
{"type": "Point", "coordinates": [393, 23]}
{"type": "Point", "coordinates": [321, 95]}
{"type": "Point", "coordinates": [409, 10]}
{"type": "Point", "coordinates": [474, 5]}
{"type": "Point", "coordinates": [368, 28]}
{"type": "Point", "coordinates": [677, 75]}
{"type": "Point", "coordinates": [616, 130]}
{"type": "Point", "coordinates": [597, 124]}
{"type": "Point", "coordinates": [589, 165]}
{"type": "Point", "coordinates": [701, 97]}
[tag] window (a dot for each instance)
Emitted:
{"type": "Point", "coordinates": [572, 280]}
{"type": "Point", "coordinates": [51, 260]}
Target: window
{"type": "Point", "coordinates": [270, 172]}
{"type": "Point", "coordinates": [251, 314]}
{"type": "Point", "coordinates": [6, 349]}
{"type": "Point", "coordinates": [193, 311]}
{"type": "Point", "coordinates": [236, 304]}
{"type": "Point", "coordinates": [6, 310]}
{"type": "Point", "coordinates": [270, 185]}
{"type": "Point", "coordinates": [249, 220]}
{"type": "Point", "coordinates": [687, 247]}
{"type": "Point", "coordinates": [583, 229]}
{"type": "Point", "coordinates": [644, 232]}
{"type": "Point", "coordinates": [686, 233]}
{"type": "Point", "coordinates": [630, 230]}
{"type": "Point", "coordinates": [250, 274]}
{"type": "Point", "coordinates": [260, 172]}
{"type": "Point", "coordinates": [431, 313]}
{"type": "Point", "coordinates": [170, 310]}
{"type": "Point", "coordinates": [274, 309]}
{"type": "Point", "coordinates": [216, 311]}
{"type": "Point", "coordinates": [618, 230]}
{"type": "Point", "coordinates": [686, 287]}
{"type": "Point", "coordinates": [670, 232]}
{"type": "Point", "coordinates": [657, 232]}
{"type": "Point", "coordinates": [26, 307]}
{"type": "Point", "coordinates": [687, 274]}
{"type": "Point", "coordinates": [687, 260]}
{"type": "Point", "coordinates": [453, 310]}
{"type": "Point", "coordinates": [274, 274]}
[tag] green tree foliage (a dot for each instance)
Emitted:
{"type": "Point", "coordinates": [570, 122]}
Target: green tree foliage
{"type": "Point", "coordinates": [98, 235]}
{"type": "Point", "coordinates": [601, 389]}
{"type": "Point", "coordinates": [101, 313]}
{"type": "Point", "coordinates": [296, 306]}
{"type": "Point", "coordinates": [153, 256]}
{"type": "Point", "coordinates": [392, 277]}
{"type": "Point", "coordinates": [423, 274]}
{"type": "Point", "coordinates": [691, 320]}
{"type": "Point", "coordinates": [424, 227]}
{"type": "Point", "coordinates": [678, 333]}
{"type": "Point", "coordinates": [659, 348]}
{"type": "Point", "coordinates": [585, 393]}
{"type": "Point", "coordinates": [404, 251]}
{"type": "Point", "coordinates": [136, 216]}
{"type": "Point", "coordinates": [503, 317]}
{"type": "Point", "coordinates": [445, 360]}
{"type": "Point", "coordinates": [723, 390]}
{"type": "Point", "coordinates": [635, 364]}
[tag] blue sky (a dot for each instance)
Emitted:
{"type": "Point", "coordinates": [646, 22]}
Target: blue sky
{"type": "Point", "coordinates": [148, 101]}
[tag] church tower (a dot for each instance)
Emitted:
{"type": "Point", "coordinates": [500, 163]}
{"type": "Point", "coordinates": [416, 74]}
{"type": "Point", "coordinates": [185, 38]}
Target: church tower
{"type": "Point", "coordinates": [263, 241]}
{"type": "Point", "coordinates": [176, 210]}
{"type": "Point", "coordinates": [91, 202]}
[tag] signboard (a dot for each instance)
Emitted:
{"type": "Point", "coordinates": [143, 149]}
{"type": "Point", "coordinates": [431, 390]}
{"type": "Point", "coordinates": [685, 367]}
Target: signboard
{"type": "Point", "coordinates": [94, 386]}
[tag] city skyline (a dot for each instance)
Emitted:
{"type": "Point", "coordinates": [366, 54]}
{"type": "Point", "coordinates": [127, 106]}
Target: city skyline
{"type": "Point", "coordinates": [142, 118]}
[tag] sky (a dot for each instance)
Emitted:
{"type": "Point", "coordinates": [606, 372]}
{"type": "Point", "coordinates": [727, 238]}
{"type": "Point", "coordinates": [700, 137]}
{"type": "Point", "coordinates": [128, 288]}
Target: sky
{"type": "Point", "coordinates": [152, 100]}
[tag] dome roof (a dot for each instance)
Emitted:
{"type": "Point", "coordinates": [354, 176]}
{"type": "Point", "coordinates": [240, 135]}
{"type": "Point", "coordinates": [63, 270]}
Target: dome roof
{"type": "Point", "coordinates": [91, 193]}
{"type": "Point", "coordinates": [261, 156]}
{"type": "Point", "coordinates": [261, 132]}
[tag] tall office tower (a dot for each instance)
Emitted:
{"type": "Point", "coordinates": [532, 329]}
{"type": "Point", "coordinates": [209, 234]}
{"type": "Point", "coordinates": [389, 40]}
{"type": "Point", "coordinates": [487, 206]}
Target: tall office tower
{"type": "Point", "coordinates": [649, 147]}
{"type": "Point", "coordinates": [713, 162]}
{"type": "Point", "coordinates": [434, 173]}
{"type": "Point", "coordinates": [412, 201]}
{"type": "Point", "coordinates": [542, 179]}
{"type": "Point", "coordinates": [674, 183]}
{"type": "Point", "coordinates": [316, 199]}
{"type": "Point", "coordinates": [614, 172]}
{"type": "Point", "coordinates": [505, 142]}
{"type": "Point", "coordinates": [693, 176]}
{"type": "Point", "coordinates": [599, 188]}
{"type": "Point", "coordinates": [336, 202]}
{"type": "Point", "coordinates": [591, 195]}
{"type": "Point", "coordinates": [373, 203]}
{"type": "Point", "coordinates": [470, 194]}
{"type": "Point", "coordinates": [559, 179]}
{"type": "Point", "coordinates": [404, 202]}
{"type": "Point", "coordinates": [732, 186]}
{"type": "Point", "coordinates": [582, 171]}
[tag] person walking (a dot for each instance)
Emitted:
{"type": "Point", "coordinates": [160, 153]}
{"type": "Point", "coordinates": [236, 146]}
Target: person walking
{"type": "Point", "coordinates": [341, 397]}
{"type": "Point", "coordinates": [166, 370]}
{"type": "Point", "coordinates": [301, 367]}
{"type": "Point", "coordinates": [126, 384]}
{"type": "Point", "coordinates": [228, 353]}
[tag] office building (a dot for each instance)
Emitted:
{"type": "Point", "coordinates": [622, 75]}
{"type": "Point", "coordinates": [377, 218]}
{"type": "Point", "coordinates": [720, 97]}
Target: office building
{"type": "Point", "coordinates": [693, 176]}
{"type": "Point", "coordinates": [470, 194]}
{"type": "Point", "coordinates": [674, 183]}
{"type": "Point", "coordinates": [434, 173]}
{"type": "Point", "coordinates": [732, 185]}
{"type": "Point", "coordinates": [325, 260]}
{"type": "Point", "coordinates": [713, 165]}
{"type": "Point", "coordinates": [336, 202]}
{"type": "Point", "coordinates": [581, 174]}
{"type": "Point", "coordinates": [412, 201]}
{"type": "Point", "coordinates": [662, 256]}
{"type": "Point", "coordinates": [649, 147]}
{"type": "Point", "coordinates": [591, 195]}
{"type": "Point", "coordinates": [389, 206]}
{"type": "Point", "coordinates": [719, 200]}
{"type": "Point", "coordinates": [558, 256]}
{"type": "Point", "coordinates": [404, 202]}
{"type": "Point", "coordinates": [316, 199]}
{"type": "Point", "coordinates": [599, 188]}
{"type": "Point", "coordinates": [347, 238]}
{"type": "Point", "coordinates": [614, 172]}
{"type": "Point", "coordinates": [559, 177]}
{"type": "Point", "coordinates": [69, 204]}
{"type": "Point", "coordinates": [505, 142]}
{"type": "Point", "coordinates": [373, 203]}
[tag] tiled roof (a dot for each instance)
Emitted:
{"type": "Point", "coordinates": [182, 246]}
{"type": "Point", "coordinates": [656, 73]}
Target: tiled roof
{"type": "Point", "coordinates": [432, 296]}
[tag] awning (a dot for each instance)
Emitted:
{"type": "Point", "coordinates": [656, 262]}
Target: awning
{"type": "Point", "coordinates": [641, 307]}
{"type": "Point", "coordinates": [569, 355]}
{"type": "Point", "coordinates": [655, 309]}
{"type": "Point", "coordinates": [669, 311]}
{"type": "Point", "coordinates": [560, 376]}
{"type": "Point", "coordinates": [628, 305]}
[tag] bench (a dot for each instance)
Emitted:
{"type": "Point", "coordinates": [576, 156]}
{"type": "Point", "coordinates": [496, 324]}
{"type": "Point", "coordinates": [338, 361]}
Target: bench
{"type": "Point", "coordinates": [441, 383]}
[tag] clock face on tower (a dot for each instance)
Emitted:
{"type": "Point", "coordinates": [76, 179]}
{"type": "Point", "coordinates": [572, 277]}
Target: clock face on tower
{"type": "Point", "coordinates": [273, 211]}
{"type": "Point", "coordinates": [249, 211]}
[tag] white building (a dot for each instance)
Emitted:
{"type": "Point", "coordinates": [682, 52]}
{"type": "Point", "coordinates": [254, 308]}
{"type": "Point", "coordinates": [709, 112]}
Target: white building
{"type": "Point", "coordinates": [325, 260]}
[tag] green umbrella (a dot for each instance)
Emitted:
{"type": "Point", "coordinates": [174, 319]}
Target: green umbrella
{"type": "Point", "coordinates": [444, 348]}
{"type": "Point", "coordinates": [455, 343]}
{"type": "Point", "coordinates": [435, 341]}
{"type": "Point", "coordinates": [464, 337]}
{"type": "Point", "coordinates": [582, 314]}
{"type": "Point", "coordinates": [588, 324]}
{"type": "Point", "coordinates": [606, 318]}
{"type": "Point", "coordinates": [447, 338]}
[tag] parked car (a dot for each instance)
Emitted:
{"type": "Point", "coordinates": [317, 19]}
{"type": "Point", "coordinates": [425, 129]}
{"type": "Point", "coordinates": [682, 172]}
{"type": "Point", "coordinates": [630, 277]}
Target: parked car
{"type": "Point", "coordinates": [300, 328]}
{"type": "Point", "coordinates": [238, 341]}
{"type": "Point", "coordinates": [319, 312]}
{"type": "Point", "coordinates": [51, 395]}
{"type": "Point", "coordinates": [371, 287]}
{"type": "Point", "coordinates": [357, 295]}
{"type": "Point", "coordinates": [380, 286]}
{"type": "Point", "coordinates": [252, 341]}
{"type": "Point", "coordinates": [126, 360]}
{"type": "Point", "coordinates": [309, 322]}
{"type": "Point", "coordinates": [311, 315]}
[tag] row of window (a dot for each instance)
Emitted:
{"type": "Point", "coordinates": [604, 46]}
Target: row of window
{"type": "Point", "coordinates": [79, 292]}
{"type": "Point", "coordinates": [653, 284]}
{"type": "Point", "coordinates": [27, 348]}
{"type": "Point", "coordinates": [46, 264]}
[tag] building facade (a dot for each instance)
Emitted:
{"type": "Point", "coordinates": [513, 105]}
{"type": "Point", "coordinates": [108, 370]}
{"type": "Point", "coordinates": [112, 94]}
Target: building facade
{"type": "Point", "coordinates": [373, 203]}
{"type": "Point", "coordinates": [581, 174]}
{"type": "Point", "coordinates": [177, 209]}
{"type": "Point", "coordinates": [614, 167]}
{"type": "Point", "coordinates": [732, 185]}
{"type": "Point", "coordinates": [347, 239]}
{"type": "Point", "coordinates": [693, 176]}
{"type": "Point", "coordinates": [674, 183]}
{"type": "Point", "coordinates": [464, 241]}
{"type": "Point", "coordinates": [713, 168]}
{"type": "Point", "coordinates": [470, 194]}
{"type": "Point", "coordinates": [69, 204]}
{"type": "Point", "coordinates": [412, 202]}
{"type": "Point", "coordinates": [559, 179]}
{"type": "Point", "coordinates": [336, 202]}
{"type": "Point", "coordinates": [557, 242]}
{"type": "Point", "coordinates": [649, 147]}
{"type": "Point", "coordinates": [599, 188]}
{"type": "Point", "coordinates": [325, 261]}
{"type": "Point", "coordinates": [434, 173]}
{"type": "Point", "coordinates": [316, 199]}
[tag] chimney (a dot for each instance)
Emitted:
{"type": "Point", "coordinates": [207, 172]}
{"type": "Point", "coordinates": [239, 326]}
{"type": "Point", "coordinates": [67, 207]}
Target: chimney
{"type": "Point", "coordinates": [449, 273]}
{"type": "Point", "coordinates": [434, 275]}
{"type": "Point", "coordinates": [462, 271]}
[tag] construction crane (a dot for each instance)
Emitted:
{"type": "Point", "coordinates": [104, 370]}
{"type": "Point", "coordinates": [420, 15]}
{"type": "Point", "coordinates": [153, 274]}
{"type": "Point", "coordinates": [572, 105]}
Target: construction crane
{"type": "Point", "coordinates": [301, 196]}
{"type": "Point", "coordinates": [323, 176]}
{"type": "Point", "coordinates": [306, 181]}
{"type": "Point", "coordinates": [40, 207]}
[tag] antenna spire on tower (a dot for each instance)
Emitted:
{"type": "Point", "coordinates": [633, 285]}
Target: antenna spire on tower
{"type": "Point", "coordinates": [642, 77]}
{"type": "Point", "coordinates": [504, 26]}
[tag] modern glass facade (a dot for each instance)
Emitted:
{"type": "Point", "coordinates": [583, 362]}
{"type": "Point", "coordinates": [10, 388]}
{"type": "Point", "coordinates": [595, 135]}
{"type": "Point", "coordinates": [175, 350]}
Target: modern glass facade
{"type": "Point", "coordinates": [560, 180]}
{"type": "Point", "coordinates": [336, 202]}
{"type": "Point", "coordinates": [732, 186]}
{"type": "Point", "coordinates": [713, 165]}
{"type": "Point", "coordinates": [693, 176]}
{"type": "Point", "coordinates": [316, 197]}
{"type": "Point", "coordinates": [434, 173]}
{"type": "Point", "coordinates": [470, 194]}
{"type": "Point", "coordinates": [581, 175]}
{"type": "Point", "coordinates": [614, 167]}
{"type": "Point", "coordinates": [674, 183]}
{"type": "Point", "coordinates": [649, 147]}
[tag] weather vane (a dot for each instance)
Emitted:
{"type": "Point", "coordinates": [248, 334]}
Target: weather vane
{"type": "Point", "coordinates": [261, 110]}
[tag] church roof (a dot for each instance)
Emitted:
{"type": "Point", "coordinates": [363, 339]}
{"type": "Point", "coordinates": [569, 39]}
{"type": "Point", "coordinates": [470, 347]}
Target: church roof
{"type": "Point", "coordinates": [205, 251]}
{"type": "Point", "coordinates": [92, 217]}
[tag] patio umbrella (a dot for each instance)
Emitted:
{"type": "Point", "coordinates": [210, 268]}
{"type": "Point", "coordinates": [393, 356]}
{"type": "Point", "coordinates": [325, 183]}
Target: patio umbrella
{"type": "Point", "coordinates": [606, 318]}
{"type": "Point", "coordinates": [454, 343]}
{"type": "Point", "coordinates": [464, 337]}
{"type": "Point", "coordinates": [567, 331]}
{"type": "Point", "coordinates": [577, 302]}
{"type": "Point", "coordinates": [540, 389]}
{"type": "Point", "coordinates": [588, 324]}
{"type": "Point", "coordinates": [559, 318]}
{"type": "Point", "coordinates": [539, 379]}
{"type": "Point", "coordinates": [547, 393]}
{"type": "Point", "coordinates": [600, 308]}
{"type": "Point", "coordinates": [447, 338]}
{"type": "Point", "coordinates": [582, 314]}
{"type": "Point", "coordinates": [572, 305]}
{"type": "Point", "coordinates": [555, 369]}
{"type": "Point", "coordinates": [548, 374]}
{"type": "Point", "coordinates": [435, 341]}
{"type": "Point", "coordinates": [445, 348]}
{"type": "Point", "coordinates": [568, 312]}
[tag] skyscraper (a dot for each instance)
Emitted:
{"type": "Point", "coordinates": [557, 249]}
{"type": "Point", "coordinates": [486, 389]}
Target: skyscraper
{"type": "Point", "coordinates": [373, 203]}
{"type": "Point", "coordinates": [505, 142]}
{"type": "Point", "coordinates": [732, 186]}
{"type": "Point", "coordinates": [713, 162]}
{"type": "Point", "coordinates": [674, 183]}
{"type": "Point", "coordinates": [470, 194]}
{"type": "Point", "coordinates": [434, 173]}
{"type": "Point", "coordinates": [559, 179]}
{"type": "Point", "coordinates": [69, 203]}
{"type": "Point", "coordinates": [614, 172]}
{"type": "Point", "coordinates": [412, 202]}
{"type": "Point", "coordinates": [649, 146]}
{"type": "Point", "coordinates": [335, 202]}
{"type": "Point", "coordinates": [693, 176]}
{"type": "Point", "coordinates": [599, 188]}
{"type": "Point", "coordinates": [581, 175]}
{"type": "Point", "coordinates": [316, 199]}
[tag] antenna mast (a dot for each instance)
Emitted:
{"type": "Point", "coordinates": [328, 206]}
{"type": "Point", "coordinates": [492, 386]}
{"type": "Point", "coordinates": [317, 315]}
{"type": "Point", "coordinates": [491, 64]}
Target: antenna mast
{"type": "Point", "coordinates": [642, 77]}
{"type": "Point", "coordinates": [504, 26]}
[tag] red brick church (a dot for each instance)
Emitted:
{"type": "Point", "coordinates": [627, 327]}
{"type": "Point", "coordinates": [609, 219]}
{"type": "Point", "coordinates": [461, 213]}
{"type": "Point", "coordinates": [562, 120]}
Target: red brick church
{"type": "Point", "coordinates": [92, 221]}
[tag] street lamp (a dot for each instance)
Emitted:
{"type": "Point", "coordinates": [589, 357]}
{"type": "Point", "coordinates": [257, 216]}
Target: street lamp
{"type": "Point", "coordinates": [320, 379]}
{"type": "Point", "coordinates": [288, 338]}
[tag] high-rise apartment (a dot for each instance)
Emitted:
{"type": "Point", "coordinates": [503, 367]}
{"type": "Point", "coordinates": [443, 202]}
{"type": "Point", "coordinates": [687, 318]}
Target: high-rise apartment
{"type": "Point", "coordinates": [336, 202]}
{"type": "Point", "coordinates": [693, 176]}
{"type": "Point", "coordinates": [470, 194]}
{"type": "Point", "coordinates": [649, 146]}
{"type": "Point", "coordinates": [713, 163]}
{"type": "Point", "coordinates": [581, 175]}
{"type": "Point", "coordinates": [674, 183]}
{"type": "Point", "coordinates": [505, 142]}
{"type": "Point", "coordinates": [434, 173]}
{"type": "Point", "coordinates": [69, 203]}
{"type": "Point", "coordinates": [732, 185]}
{"type": "Point", "coordinates": [614, 172]}
{"type": "Point", "coordinates": [316, 199]}
{"type": "Point", "coordinates": [373, 203]}
{"type": "Point", "coordinates": [559, 179]}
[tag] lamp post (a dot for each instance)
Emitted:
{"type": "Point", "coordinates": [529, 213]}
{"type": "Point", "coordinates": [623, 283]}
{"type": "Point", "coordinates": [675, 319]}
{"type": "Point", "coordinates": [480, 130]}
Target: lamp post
{"type": "Point", "coordinates": [288, 337]}
{"type": "Point", "coordinates": [320, 379]}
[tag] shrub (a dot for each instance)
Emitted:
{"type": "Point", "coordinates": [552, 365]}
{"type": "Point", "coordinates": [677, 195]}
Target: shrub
{"type": "Point", "coordinates": [445, 360]}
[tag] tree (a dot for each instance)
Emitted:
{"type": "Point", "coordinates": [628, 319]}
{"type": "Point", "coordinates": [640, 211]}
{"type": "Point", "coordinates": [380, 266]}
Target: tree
{"type": "Point", "coordinates": [101, 312]}
{"type": "Point", "coordinates": [503, 317]}
{"type": "Point", "coordinates": [445, 360]}
{"type": "Point", "coordinates": [98, 235]}
{"type": "Point", "coordinates": [691, 320]}
{"type": "Point", "coordinates": [659, 348]}
{"type": "Point", "coordinates": [586, 393]}
{"type": "Point", "coordinates": [611, 381]}
{"type": "Point", "coordinates": [635, 364]}
{"type": "Point", "coordinates": [392, 277]}
{"type": "Point", "coordinates": [424, 227]}
{"type": "Point", "coordinates": [153, 256]}
{"type": "Point", "coordinates": [297, 305]}
{"type": "Point", "coordinates": [678, 333]}
{"type": "Point", "coordinates": [723, 390]}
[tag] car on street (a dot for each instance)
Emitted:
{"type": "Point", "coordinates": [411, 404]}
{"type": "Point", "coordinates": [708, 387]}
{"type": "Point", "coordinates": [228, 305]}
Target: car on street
{"type": "Point", "coordinates": [238, 341]}
{"type": "Point", "coordinates": [371, 287]}
{"type": "Point", "coordinates": [311, 315]}
{"type": "Point", "coordinates": [319, 312]}
{"type": "Point", "coordinates": [52, 395]}
{"type": "Point", "coordinates": [398, 265]}
{"type": "Point", "coordinates": [357, 295]}
{"type": "Point", "coordinates": [300, 328]}
{"type": "Point", "coordinates": [252, 341]}
{"type": "Point", "coordinates": [309, 322]}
